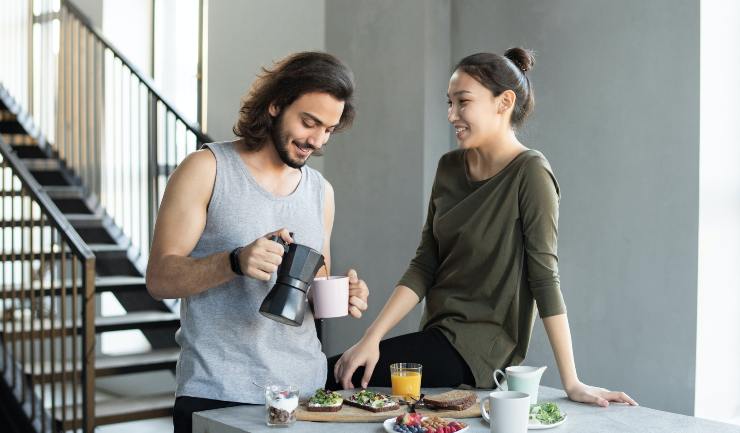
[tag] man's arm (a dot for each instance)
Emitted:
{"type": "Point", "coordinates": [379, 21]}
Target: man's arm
{"type": "Point", "coordinates": [182, 217]}
{"type": "Point", "coordinates": [180, 223]}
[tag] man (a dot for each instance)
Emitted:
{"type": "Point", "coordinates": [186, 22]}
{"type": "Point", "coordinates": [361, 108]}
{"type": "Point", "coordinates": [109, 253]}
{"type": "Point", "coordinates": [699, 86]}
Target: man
{"type": "Point", "coordinates": [211, 245]}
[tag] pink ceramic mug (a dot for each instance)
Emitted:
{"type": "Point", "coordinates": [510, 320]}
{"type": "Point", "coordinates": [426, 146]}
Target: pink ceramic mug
{"type": "Point", "coordinates": [330, 297]}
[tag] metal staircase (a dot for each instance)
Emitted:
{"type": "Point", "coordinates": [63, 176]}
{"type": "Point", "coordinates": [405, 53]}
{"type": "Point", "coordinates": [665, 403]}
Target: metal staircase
{"type": "Point", "coordinates": [86, 146]}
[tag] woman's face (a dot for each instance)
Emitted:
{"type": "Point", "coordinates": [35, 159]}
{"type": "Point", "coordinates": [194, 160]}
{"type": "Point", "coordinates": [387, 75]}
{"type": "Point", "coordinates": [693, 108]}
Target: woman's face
{"type": "Point", "coordinates": [477, 115]}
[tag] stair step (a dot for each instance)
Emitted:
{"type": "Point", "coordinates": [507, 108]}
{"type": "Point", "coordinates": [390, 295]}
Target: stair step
{"type": "Point", "coordinates": [107, 249]}
{"type": "Point", "coordinates": [64, 191]}
{"type": "Point", "coordinates": [77, 220]}
{"type": "Point", "coordinates": [87, 220]}
{"type": "Point", "coordinates": [161, 359]}
{"type": "Point", "coordinates": [7, 116]}
{"type": "Point", "coordinates": [121, 410]}
{"type": "Point", "coordinates": [91, 228]}
{"type": "Point", "coordinates": [68, 198]}
{"type": "Point", "coordinates": [20, 142]}
{"type": "Point", "coordinates": [72, 204]}
{"type": "Point", "coordinates": [48, 171]}
{"type": "Point", "coordinates": [137, 320]}
{"type": "Point", "coordinates": [42, 164]}
{"type": "Point", "coordinates": [107, 255]}
{"type": "Point", "coordinates": [114, 284]}
{"type": "Point", "coordinates": [26, 148]}
{"type": "Point", "coordinates": [119, 284]}
{"type": "Point", "coordinates": [134, 320]}
{"type": "Point", "coordinates": [11, 127]}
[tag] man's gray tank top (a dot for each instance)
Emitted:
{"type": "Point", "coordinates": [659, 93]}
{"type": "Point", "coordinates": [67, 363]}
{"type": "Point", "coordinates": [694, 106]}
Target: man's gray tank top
{"type": "Point", "coordinates": [226, 344]}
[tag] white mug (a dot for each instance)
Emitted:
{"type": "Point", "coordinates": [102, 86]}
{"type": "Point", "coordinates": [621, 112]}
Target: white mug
{"type": "Point", "coordinates": [330, 297]}
{"type": "Point", "coordinates": [509, 411]}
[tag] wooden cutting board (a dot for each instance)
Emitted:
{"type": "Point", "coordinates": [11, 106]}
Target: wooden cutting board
{"type": "Point", "coordinates": [355, 414]}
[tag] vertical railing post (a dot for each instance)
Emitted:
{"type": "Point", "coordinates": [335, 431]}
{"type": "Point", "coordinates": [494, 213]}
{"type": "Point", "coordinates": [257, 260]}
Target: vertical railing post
{"type": "Point", "coordinates": [153, 177]}
{"type": "Point", "coordinates": [88, 345]}
{"type": "Point", "coordinates": [30, 74]}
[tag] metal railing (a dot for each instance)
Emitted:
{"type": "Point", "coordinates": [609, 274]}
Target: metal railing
{"type": "Point", "coordinates": [86, 104]}
{"type": "Point", "coordinates": [101, 115]}
{"type": "Point", "coordinates": [48, 309]}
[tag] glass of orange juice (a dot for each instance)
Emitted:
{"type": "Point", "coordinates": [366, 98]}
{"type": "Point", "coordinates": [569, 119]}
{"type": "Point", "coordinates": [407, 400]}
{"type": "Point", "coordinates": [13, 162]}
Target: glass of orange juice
{"type": "Point", "coordinates": [406, 379]}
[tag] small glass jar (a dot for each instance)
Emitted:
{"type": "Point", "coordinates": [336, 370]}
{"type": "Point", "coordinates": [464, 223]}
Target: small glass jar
{"type": "Point", "coordinates": [281, 403]}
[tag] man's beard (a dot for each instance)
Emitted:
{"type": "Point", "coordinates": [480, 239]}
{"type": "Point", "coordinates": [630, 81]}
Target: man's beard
{"type": "Point", "coordinates": [281, 143]}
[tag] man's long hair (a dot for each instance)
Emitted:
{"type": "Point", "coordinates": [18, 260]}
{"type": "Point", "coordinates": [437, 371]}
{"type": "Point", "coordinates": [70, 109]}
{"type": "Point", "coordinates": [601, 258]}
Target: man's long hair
{"type": "Point", "coordinates": [289, 79]}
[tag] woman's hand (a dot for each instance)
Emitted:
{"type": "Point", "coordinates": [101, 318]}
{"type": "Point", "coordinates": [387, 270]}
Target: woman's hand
{"type": "Point", "coordinates": [358, 293]}
{"type": "Point", "coordinates": [583, 393]}
{"type": "Point", "coordinates": [365, 353]}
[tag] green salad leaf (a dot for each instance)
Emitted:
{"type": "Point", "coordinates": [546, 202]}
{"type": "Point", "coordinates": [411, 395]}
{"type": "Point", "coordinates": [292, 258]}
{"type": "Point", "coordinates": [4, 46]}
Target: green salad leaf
{"type": "Point", "coordinates": [323, 397]}
{"type": "Point", "coordinates": [545, 413]}
{"type": "Point", "coordinates": [370, 398]}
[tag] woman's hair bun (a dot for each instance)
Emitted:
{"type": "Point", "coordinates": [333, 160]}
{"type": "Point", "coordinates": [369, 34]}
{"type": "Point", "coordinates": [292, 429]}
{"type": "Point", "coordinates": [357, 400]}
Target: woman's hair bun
{"type": "Point", "coordinates": [522, 58]}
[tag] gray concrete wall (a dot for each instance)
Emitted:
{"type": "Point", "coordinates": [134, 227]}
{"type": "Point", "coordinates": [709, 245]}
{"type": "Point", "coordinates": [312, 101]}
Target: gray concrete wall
{"type": "Point", "coordinates": [617, 115]}
{"type": "Point", "coordinates": [242, 37]}
{"type": "Point", "coordinates": [617, 87]}
{"type": "Point", "coordinates": [382, 168]}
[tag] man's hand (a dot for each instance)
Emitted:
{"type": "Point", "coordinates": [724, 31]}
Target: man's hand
{"type": "Point", "coordinates": [358, 293]}
{"type": "Point", "coordinates": [262, 257]}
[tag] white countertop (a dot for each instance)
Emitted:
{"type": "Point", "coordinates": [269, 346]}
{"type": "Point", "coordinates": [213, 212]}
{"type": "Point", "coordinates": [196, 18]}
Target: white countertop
{"type": "Point", "coordinates": [582, 418]}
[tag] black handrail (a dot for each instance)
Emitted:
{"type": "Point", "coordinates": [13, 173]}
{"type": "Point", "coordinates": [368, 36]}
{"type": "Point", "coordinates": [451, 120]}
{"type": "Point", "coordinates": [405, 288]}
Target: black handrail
{"type": "Point", "coordinates": [56, 217]}
{"type": "Point", "coordinates": [51, 329]}
{"type": "Point", "coordinates": [202, 137]}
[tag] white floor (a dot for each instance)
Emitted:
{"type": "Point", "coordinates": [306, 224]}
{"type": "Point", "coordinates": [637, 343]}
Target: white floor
{"type": "Point", "coordinates": [156, 425]}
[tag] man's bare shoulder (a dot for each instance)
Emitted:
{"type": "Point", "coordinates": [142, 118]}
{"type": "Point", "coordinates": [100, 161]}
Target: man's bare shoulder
{"type": "Point", "coordinates": [193, 178]}
{"type": "Point", "coordinates": [201, 161]}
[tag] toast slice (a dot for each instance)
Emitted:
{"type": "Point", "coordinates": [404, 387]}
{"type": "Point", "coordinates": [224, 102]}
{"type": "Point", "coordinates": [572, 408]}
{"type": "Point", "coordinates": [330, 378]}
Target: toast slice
{"type": "Point", "coordinates": [325, 401]}
{"type": "Point", "coordinates": [451, 400]}
{"type": "Point", "coordinates": [372, 401]}
{"type": "Point", "coordinates": [335, 408]}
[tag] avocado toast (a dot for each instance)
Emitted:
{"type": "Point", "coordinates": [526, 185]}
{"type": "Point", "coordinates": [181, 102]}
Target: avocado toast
{"type": "Point", "coordinates": [372, 401]}
{"type": "Point", "coordinates": [325, 401]}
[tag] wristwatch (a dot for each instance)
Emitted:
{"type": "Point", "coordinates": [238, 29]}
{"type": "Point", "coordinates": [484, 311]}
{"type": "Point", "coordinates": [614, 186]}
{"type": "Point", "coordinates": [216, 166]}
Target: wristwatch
{"type": "Point", "coordinates": [234, 259]}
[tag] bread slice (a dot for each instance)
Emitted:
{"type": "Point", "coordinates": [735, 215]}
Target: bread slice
{"type": "Point", "coordinates": [451, 400]}
{"type": "Point", "coordinates": [316, 408]}
{"type": "Point", "coordinates": [386, 408]}
{"type": "Point", "coordinates": [360, 399]}
{"type": "Point", "coordinates": [325, 401]}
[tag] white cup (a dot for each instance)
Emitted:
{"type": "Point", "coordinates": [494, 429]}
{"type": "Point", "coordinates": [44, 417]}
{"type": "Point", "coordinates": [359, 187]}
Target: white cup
{"type": "Point", "coordinates": [330, 297]}
{"type": "Point", "coordinates": [509, 411]}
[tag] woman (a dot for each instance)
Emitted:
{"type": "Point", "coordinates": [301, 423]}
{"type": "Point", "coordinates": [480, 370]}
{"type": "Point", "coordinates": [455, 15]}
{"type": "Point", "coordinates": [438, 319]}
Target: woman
{"type": "Point", "coordinates": [488, 250]}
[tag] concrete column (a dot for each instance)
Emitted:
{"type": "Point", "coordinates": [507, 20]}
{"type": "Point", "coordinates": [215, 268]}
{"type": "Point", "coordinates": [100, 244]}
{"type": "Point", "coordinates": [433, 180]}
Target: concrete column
{"type": "Point", "coordinates": [383, 167]}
